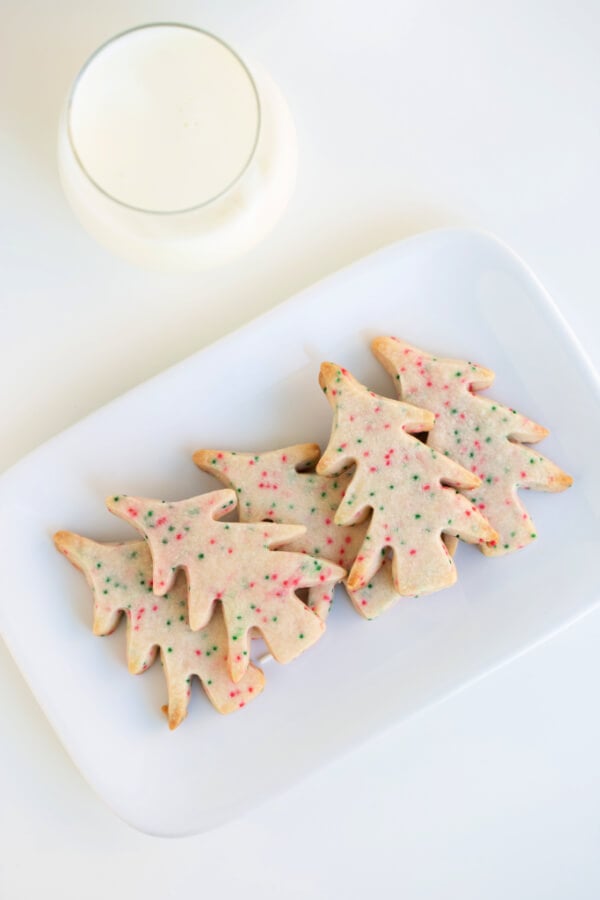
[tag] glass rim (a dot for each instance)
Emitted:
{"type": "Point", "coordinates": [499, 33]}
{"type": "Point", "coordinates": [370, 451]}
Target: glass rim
{"type": "Point", "coordinates": [141, 209]}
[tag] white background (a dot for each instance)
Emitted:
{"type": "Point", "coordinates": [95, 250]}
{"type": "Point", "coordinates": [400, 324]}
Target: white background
{"type": "Point", "coordinates": [409, 116]}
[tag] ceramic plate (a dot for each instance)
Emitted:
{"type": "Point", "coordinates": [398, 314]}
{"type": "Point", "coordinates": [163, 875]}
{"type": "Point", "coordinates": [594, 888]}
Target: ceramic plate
{"type": "Point", "coordinates": [458, 293]}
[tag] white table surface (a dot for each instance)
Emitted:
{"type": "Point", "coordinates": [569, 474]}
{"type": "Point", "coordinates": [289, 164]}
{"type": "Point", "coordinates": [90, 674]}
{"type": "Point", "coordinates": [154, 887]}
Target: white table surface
{"type": "Point", "coordinates": [410, 116]}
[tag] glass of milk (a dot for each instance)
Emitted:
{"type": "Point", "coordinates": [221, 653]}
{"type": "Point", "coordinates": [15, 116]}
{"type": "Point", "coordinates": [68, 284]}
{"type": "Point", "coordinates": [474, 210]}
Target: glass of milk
{"type": "Point", "coordinates": [172, 152]}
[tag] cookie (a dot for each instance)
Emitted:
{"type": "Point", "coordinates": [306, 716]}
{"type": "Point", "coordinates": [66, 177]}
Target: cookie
{"type": "Point", "coordinates": [479, 433]}
{"type": "Point", "coordinates": [234, 563]}
{"type": "Point", "coordinates": [402, 482]}
{"type": "Point", "coordinates": [120, 576]}
{"type": "Point", "coordinates": [281, 486]}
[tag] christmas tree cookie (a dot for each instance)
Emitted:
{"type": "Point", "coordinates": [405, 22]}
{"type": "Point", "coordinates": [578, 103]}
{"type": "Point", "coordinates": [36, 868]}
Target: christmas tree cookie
{"type": "Point", "coordinates": [401, 482]}
{"type": "Point", "coordinates": [120, 576]}
{"type": "Point", "coordinates": [481, 434]}
{"type": "Point", "coordinates": [282, 486]}
{"type": "Point", "coordinates": [234, 563]}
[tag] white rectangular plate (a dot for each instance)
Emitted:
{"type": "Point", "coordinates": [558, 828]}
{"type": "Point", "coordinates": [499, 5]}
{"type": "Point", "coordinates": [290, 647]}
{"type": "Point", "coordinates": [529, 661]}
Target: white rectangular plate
{"type": "Point", "coordinates": [455, 292]}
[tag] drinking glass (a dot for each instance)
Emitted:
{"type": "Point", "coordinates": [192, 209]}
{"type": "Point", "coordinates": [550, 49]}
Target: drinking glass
{"type": "Point", "coordinates": [172, 151]}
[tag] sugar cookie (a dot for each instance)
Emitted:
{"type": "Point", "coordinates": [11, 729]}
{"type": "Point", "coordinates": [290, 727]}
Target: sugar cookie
{"type": "Point", "coordinates": [234, 563]}
{"type": "Point", "coordinates": [479, 433]}
{"type": "Point", "coordinates": [402, 481]}
{"type": "Point", "coordinates": [120, 576]}
{"type": "Point", "coordinates": [281, 486]}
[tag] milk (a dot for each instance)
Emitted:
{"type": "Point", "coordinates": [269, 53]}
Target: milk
{"type": "Point", "coordinates": [171, 152]}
